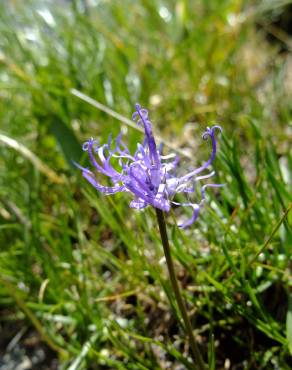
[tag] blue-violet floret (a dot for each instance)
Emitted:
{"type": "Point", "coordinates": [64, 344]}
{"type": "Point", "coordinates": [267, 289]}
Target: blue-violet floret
{"type": "Point", "coordinates": [150, 176]}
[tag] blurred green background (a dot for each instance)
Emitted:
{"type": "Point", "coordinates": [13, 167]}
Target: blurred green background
{"type": "Point", "coordinates": [83, 283]}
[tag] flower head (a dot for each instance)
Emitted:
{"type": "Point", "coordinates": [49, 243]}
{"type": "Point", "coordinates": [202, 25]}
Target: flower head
{"type": "Point", "coordinates": [147, 174]}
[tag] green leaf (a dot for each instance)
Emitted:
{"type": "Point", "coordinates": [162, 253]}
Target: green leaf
{"type": "Point", "coordinates": [67, 140]}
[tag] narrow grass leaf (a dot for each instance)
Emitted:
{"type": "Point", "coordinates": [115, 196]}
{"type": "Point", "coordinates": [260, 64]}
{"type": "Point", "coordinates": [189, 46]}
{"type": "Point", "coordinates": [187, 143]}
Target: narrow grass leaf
{"type": "Point", "coordinates": [67, 141]}
{"type": "Point", "coordinates": [28, 154]}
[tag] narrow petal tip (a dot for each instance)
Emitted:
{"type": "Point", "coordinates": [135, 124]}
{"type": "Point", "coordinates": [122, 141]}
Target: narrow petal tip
{"type": "Point", "coordinates": [135, 115]}
{"type": "Point", "coordinates": [210, 131]}
{"type": "Point", "coordinates": [194, 217]}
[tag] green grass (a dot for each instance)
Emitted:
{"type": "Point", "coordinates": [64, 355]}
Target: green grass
{"type": "Point", "coordinates": [86, 271]}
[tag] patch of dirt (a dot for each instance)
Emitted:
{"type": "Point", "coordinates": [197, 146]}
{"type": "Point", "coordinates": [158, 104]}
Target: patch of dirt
{"type": "Point", "coordinates": [21, 348]}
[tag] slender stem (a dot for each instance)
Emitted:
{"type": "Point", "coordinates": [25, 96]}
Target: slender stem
{"type": "Point", "coordinates": [180, 302]}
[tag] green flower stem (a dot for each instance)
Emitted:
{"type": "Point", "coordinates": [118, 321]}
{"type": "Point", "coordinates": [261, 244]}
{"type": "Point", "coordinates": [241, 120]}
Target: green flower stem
{"type": "Point", "coordinates": [179, 299]}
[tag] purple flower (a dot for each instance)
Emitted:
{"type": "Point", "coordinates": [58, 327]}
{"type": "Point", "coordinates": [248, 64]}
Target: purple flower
{"type": "Point", "coordinates": [147, 174]}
